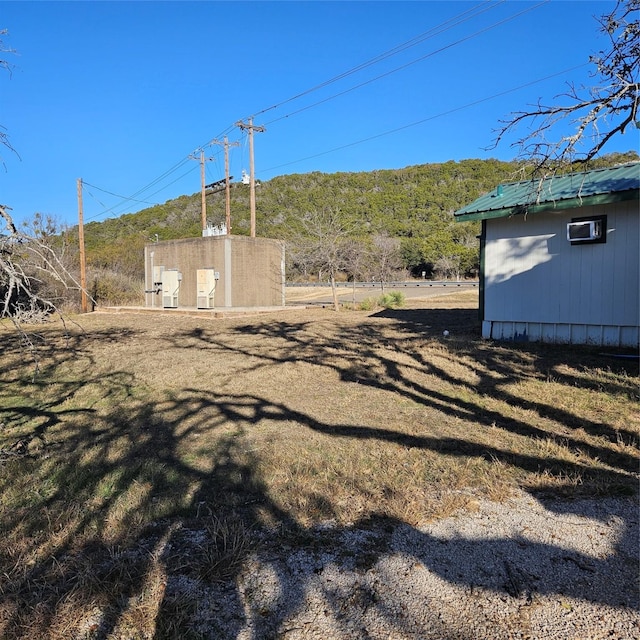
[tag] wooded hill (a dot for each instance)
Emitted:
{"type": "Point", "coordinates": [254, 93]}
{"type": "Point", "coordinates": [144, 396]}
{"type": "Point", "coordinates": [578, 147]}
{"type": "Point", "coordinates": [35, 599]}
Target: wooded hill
{"type": "Point", "coordinates": [414, 205]}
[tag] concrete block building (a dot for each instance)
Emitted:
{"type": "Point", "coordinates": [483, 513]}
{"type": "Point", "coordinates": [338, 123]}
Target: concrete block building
{"type": "Point", "coordinates": [215, 271]}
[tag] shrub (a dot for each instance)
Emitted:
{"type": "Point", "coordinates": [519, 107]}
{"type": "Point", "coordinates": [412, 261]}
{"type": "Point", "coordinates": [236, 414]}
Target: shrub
{"type": "Point", "coordinates": [392, 299]}
{"type": "Point", "coordinates": [111, 288]}
{"type": "Point", "coordinates": [368, 304]}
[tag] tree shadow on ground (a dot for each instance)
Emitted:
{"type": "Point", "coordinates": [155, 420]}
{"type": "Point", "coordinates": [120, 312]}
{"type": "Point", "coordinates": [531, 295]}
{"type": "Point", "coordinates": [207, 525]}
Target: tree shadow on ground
{"type": "Point", "coordinates": [433, 322]}
{"type": "Point", "coordinates": [129, 537]}
{"type": "Point", "coordinates": [364, 362]}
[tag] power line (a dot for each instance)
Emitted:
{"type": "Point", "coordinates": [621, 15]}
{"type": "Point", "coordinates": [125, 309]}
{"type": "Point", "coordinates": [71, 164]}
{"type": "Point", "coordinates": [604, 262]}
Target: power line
{"type": "Point", "coordinates": [445, 26]}
{"type": "Point", "coordinates": [167, 173]}
{"type": "Point", "coordinates": [408, 64]}
{"type": "Point", "coordinates": [113, 208]}
{"type": "Point", "coordinates": [191, 169]}
{"type": "Point", "coordinates": [104, 206]}
{"type": "Point", "coordinates": [164, 175]}
{"type": "Point", "coordinates": [419, 122]}
{"type": "Point", "coordinates": [87, 184]}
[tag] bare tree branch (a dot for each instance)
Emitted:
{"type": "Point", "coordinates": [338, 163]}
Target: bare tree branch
{"type": "Point", "coordinates": [27, 266]}
{"type": "Point", "coordinates": [7, 66]}
{"type": "Point", "coordinates": [596, 114]}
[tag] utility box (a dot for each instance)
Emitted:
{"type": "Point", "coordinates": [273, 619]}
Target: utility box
{"type": "Point", "coordinates": [171, 279]}
{"type": "Point", "coordinates": [205, 288]}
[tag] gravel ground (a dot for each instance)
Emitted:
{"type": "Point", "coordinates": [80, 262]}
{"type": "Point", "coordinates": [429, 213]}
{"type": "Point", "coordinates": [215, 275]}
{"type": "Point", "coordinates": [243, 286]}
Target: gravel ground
{"type": "Point", "coordinates": [519, 569]}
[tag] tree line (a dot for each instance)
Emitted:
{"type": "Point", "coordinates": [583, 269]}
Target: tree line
{"type": "Point", "coordinates": [361, 226]}
{"type": "Point", "coordinates": [348, 225]}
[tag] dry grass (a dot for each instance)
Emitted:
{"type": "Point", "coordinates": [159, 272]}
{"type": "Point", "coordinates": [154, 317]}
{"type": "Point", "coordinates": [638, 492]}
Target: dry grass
{"type": "Point", "coordinates": [152, 446]}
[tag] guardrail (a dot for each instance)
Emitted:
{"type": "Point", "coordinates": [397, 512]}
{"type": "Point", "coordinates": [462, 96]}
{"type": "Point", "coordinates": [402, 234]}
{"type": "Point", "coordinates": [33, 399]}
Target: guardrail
{"type": "Point", "coordinates": [389, 285]}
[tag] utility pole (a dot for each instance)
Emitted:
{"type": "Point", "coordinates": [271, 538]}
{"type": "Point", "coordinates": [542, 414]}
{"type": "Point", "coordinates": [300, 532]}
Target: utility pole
{"type": "Point", "coordinates": [83, 263]}
{"type": "Point", "coordinates": [202, 187]}
{"type": "Point", "coordinates": [227, 189]}
{"type": "Point", "coordinates": [252, 180]}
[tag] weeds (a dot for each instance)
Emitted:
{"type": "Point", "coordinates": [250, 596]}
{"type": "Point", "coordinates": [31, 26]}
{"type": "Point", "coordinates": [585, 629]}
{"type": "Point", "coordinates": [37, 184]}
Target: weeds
{"type": "Point", "coordinates": [390, 300]}
{"type": "Point", "coordinates": [368, 304]}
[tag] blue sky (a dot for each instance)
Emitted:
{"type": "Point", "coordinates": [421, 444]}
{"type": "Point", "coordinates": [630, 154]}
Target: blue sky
{"type": "Point", "coordinates": [120, 94]}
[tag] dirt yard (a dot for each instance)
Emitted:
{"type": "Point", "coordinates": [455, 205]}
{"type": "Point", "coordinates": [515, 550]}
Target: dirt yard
{"type": "Point", "coordinates": [313, 474]}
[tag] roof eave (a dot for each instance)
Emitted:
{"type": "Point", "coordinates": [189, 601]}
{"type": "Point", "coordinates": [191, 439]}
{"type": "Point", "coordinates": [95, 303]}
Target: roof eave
{"type": "Point", "coordinates": [557, 205]}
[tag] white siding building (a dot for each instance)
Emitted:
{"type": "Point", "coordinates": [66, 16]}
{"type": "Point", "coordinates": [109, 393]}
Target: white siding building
{"type": "Point", "coordinates": [559, 258]}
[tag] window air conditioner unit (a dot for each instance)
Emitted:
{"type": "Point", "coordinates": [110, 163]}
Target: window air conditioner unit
{"type": "Point", "coordinates": [584, 231]}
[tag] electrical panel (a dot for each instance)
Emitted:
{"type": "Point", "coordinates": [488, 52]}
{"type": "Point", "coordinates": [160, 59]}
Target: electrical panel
{"type": "Point", "coordinates": [171, 279]}
{"type": "Point", "coordinates": [206, 287]}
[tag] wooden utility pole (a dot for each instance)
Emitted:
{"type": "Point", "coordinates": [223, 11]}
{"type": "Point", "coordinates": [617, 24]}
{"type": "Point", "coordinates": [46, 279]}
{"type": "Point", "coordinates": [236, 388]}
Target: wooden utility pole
{"type": "Point", "coordinates": [83, 264]}
{"type": "Point", "coordinates": [203, 205]}
{"type": "Point", "coordinates": [203, 198]}
{"type": "Point", "coordinates": [227, 186]}
{"type": "Point", "coordinates": [250, 127]}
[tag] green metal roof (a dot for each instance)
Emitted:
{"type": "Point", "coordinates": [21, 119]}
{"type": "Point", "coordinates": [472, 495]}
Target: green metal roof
{"type": "Point", "coordinates": [599, 186]}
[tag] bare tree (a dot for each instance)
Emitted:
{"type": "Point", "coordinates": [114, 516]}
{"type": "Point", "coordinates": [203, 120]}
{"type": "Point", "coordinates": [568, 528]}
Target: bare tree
{"type": "Point", "coordinates": [323, 244]}
{"type": "Point", "coordinates": [597, 113]}
{"type": "Point", "coordinates": [27, 263]}
{"type": "Point", "coordinates": [447, 267]}
{"type": "Point", "coordinates": [357, 262]}
{"type": "Point", "coordinates": [386, 258]}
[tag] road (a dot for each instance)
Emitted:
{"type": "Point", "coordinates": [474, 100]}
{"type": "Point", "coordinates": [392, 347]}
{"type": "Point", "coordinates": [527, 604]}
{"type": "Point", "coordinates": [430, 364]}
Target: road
{"type": "Point", "coordinates": [320, 293]}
